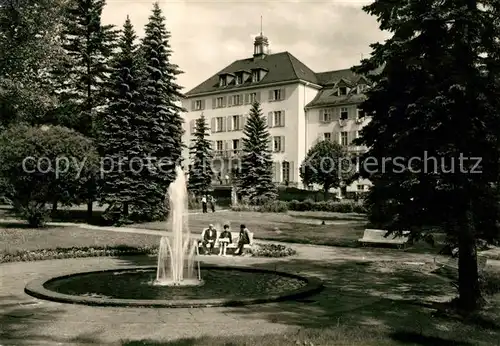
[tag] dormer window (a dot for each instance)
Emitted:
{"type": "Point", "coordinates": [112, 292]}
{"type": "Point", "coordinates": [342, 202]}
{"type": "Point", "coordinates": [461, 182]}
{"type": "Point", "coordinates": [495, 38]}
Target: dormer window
{"type": "Point", "coordinates": [256, 76]}
{"type": "Point", "coordinates": [239, 78]}
{"type": "Point", "coordinates": [342, 91]}
{"type": "Point", "coordinates": [222, 81]}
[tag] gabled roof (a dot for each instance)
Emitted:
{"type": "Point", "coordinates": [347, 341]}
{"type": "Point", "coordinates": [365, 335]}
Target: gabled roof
{"type": "Point", "coordinates": [330, 81]}
{"type": "Point", "coordinates": [281, 67]}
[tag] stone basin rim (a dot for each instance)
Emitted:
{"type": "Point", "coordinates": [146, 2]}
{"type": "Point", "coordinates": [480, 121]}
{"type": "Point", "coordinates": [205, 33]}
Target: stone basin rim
{"type": "Point", "coordinates": [35, 288]}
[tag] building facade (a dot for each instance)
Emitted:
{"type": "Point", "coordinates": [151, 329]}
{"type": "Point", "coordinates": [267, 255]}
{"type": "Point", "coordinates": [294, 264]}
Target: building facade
{"type": "Point", "coordinates": [301, 107]}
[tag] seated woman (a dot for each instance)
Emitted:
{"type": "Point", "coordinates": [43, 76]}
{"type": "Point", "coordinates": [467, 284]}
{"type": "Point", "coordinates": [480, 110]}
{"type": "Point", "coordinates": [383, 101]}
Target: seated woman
{"type": "Point", "coordinates": [244, 238]}
{"type": "Point", "coordinates": [224, 239]}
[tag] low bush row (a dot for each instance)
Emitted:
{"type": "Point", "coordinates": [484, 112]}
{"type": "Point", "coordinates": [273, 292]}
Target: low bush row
{"type": "Point", "coordinates": [307, 205]}
{"type": "Point", "coordinates": [272, 250]}
{"type": "Point", "coordinates": [259, 250]}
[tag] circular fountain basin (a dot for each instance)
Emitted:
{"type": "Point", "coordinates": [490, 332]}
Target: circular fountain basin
{"type": "Point", "coordinates": [135, 287]}
{"type": "Point", "coordinates": [183, 283]}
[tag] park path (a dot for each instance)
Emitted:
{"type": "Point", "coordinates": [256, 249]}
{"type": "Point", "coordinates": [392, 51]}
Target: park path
{"type": "Point", "coordinates": [29, 321]}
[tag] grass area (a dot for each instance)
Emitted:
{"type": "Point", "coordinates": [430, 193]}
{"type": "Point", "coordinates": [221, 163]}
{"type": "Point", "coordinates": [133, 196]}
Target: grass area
{"type": "Point", "coordinates": [293, 227]}
{"type": "Point", "coordinates": [340, 229]}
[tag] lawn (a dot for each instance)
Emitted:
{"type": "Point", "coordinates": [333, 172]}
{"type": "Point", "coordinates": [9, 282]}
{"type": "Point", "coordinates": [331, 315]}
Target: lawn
{"type": "Point", "coordinates": [340, 229]}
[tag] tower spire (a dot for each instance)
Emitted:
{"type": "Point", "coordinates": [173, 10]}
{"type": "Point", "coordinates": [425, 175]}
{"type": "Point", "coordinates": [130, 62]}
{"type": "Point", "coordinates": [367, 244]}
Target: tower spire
{"type": "Point", "coordinates": [260, 25]}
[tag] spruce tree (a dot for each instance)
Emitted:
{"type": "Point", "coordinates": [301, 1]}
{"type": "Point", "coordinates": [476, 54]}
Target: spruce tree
{"type": "Point", "coordinates": [435, 103]}
{"type": "Point", "coordinates": [118, 136]}
{"type": "Point", "coordinates": [162, 123]}
{"type": "Point", "coordinates": [84, 80]}
{"type": "Point", "coordinates": [255, 180]}
{"type": "Point", "coordinates": [200, 172]}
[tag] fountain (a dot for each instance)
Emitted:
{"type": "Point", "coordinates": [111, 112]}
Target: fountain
{"type": "Point", "coordinates": [176, 255]}
{"type": "Point", "coordinates": [175, 281]}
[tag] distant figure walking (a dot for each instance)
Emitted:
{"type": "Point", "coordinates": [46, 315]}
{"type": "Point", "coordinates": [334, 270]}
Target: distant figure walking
{"type": "Point", "coordinates": [212, 204]}
{"type": "Point", "coordinates": [204, 204]}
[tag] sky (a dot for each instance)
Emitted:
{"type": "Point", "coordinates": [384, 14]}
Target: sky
{"type": "Point", "coordinates": [208, 35]}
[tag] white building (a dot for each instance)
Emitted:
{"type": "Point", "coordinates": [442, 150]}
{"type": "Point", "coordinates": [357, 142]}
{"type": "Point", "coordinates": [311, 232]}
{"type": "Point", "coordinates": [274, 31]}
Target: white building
{"type": "Point", "coordinates": [302, 107]}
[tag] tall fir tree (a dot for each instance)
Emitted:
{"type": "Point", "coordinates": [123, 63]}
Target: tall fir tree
{"type": "Point", "coordinates": [162, 128]}
{"type": "Point", "coordinates": [436, 100]}
{"type": "Point", "coordinates": [118, 136]}
{"type": "Point", "coordinates": [256, 177]}
{"type": "Point", "coordinates": [84, 80]}
{"type": "Point", "coordinates": [200, 170]}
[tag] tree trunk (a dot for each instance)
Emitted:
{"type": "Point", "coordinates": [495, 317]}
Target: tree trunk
{"type": "Point", "coordinates": [468, 279]}
{"type": "Point", "coordinates": [90, 206]}
{"type": "Point", "coordinates": [54, 206]}
{"type": "Point", "coordinates": [325, 192]}
{"type": "Point", "coordinates": [125, 209]}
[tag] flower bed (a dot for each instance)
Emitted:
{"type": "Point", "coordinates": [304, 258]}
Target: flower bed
{"type": "Point", "coordinates": [260, 250]}
{"type": "Point", "coordinates": [272, 250]}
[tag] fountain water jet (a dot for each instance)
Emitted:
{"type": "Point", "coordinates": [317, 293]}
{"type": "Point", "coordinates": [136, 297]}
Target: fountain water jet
{"type": "Point", "coordinates": [176, 256]}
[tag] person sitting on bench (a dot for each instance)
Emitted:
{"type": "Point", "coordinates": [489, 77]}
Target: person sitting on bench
{"type": "Point", "coordinates": [224, 239]}
{"type": "Point", "coordinates": [244, 238]}
{"type": "Point", "coordinates": [209, 238]}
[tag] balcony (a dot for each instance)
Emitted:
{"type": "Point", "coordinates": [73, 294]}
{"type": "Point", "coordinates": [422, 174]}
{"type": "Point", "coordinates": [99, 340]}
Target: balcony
{"type": "Point", "coordinates": [233, 153]}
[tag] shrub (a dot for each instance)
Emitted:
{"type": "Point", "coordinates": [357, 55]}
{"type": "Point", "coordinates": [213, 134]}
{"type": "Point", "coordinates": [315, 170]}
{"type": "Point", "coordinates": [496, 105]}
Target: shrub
{"type": "Point", "coordinates": [35, 213]}
{"type": "Point", "coordinates": [269, 207]}
{"type": "Point", "coordinates": [274, 207]}
{"type": "Point", "coordinates": [326, 206]}
{"type": "Point", "coordinates": [42, 165]}
{"type": "Point", "coordinates": [272, 250]}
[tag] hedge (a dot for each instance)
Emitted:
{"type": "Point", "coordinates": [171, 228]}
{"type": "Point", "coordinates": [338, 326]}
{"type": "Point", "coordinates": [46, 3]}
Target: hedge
{"type": "Point", "coordinates": [286, 194]}
{"type": "Point", "coordinates": [307, 205]}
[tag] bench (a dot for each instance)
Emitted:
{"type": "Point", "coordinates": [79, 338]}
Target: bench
{"type": "Point", "coordinates": [231, 247]}
{"type": "Point", "coordinates": [377, 236]}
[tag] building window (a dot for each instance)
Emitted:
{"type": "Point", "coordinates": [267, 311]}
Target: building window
{"type": "Point", "coordinates": [278, 120]}
{"type": "Point", "coordinates": [236, 100]}
{"type": "Point", "coordinates": [344, 113]}
{"type": "Point", "coordinates": [343, 138]}
{"type": "Point", "coordinates": [361, 187]}
{"type": "Point", "coordinates": [236, 144]}
{"type": "Point", "coordinates": [326, 115]}
{"type": "Point", "coordinates": [239, 78]}
{"type": "Point", "coordinates": [342, 91]}
{"type": "Point", "coordinates": [220, 145]}
{"type": "Point", "coordinates": [277, 94]}
{"type": "Point", "coordinates": [236, 122]}
{"type": "Point", "coordinates": [219, 125]}
{"type": "Point", "coordinates": [286, 171]}
{"type": "Point", "coordinates": [197, 105]}
{"type": "Point", "coordinates": [327, 136]}
{"type": "Point", "coordinates": [253, 97]}
{"type": "Point", "coordinates": [256, 76]}
{"type": "Point", "coordinates": [220, 102]}
{"type": "Point", "coordinates": [277, 144]}
{"type": "Point", "coordinates": [222, 81]}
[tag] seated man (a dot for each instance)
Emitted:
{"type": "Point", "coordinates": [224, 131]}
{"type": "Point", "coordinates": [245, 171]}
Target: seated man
{"type": "Point", "coordinates": [209, 238]}
{"type": "Point", "coordinates": [224, 239]}
{"type": "Point", "coordinates": [244, 238]}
